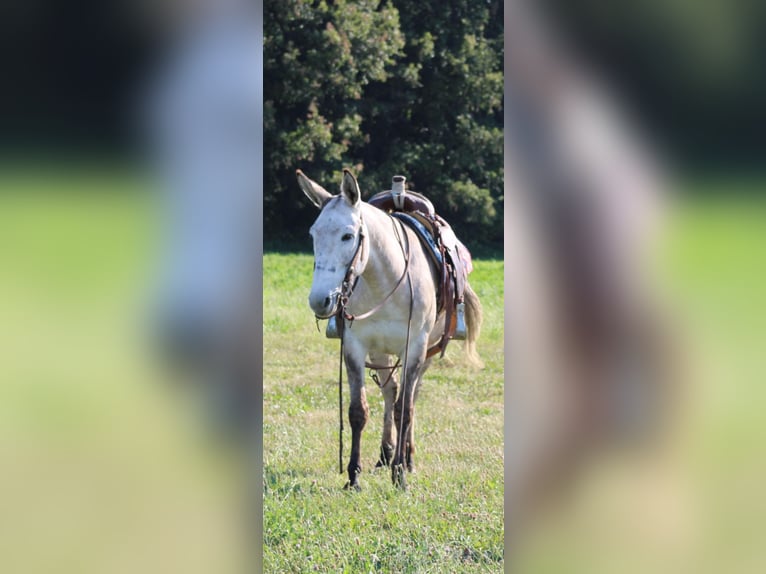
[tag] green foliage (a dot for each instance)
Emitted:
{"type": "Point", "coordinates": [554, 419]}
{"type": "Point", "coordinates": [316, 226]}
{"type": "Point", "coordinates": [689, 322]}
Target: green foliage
{"type": "Point", "coordinates": [385, 88]}
{"type": "Point", "coordinates": [318, 58]}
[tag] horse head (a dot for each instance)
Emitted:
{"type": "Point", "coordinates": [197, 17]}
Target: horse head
{"type": "Point", "coordinates": [338, 235]}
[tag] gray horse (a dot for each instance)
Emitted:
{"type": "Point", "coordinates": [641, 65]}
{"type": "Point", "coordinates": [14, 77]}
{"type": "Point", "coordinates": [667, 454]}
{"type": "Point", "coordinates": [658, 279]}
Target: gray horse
{"type": "Point", "coordinates": [394, 300]}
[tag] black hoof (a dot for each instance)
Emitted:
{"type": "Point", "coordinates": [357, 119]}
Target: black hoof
{"type": "Point", "coordinates": [353, 478]}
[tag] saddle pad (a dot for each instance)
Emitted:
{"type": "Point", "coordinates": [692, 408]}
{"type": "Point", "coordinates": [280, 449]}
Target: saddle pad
{"type": "Point", "coordinates": [425, 235]}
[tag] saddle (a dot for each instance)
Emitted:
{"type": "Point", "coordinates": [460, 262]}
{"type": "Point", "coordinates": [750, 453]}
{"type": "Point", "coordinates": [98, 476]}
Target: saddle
{"type": "Point", "coordinates": [451, 258]}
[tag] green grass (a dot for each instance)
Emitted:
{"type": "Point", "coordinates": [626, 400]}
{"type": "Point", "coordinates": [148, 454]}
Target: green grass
{"type": "Point", "coordinates": [451, 517]}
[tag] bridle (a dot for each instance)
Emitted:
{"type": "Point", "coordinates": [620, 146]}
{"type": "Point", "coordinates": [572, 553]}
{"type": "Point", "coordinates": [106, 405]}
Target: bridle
{"type": "Point", "coordinates": [342, 315]}
{"type": "Point", "coordinates": [351, 278]}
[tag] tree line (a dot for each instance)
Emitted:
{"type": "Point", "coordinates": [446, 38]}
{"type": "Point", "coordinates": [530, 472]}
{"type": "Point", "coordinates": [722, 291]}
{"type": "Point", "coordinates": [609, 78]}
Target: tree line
{"type": "Point", "coordinates": [385, 88]}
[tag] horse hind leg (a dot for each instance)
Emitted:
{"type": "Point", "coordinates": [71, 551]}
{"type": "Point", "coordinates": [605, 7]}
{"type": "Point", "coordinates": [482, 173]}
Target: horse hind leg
{"type": "Point", "coordinates": [402, 454]}
{"type": "Point", "coordinates": [404, 414]}
{"type": "Point", "coordinates": [389, 388]}
{"type": "Point", "coordinates": [410, 446]}
{"type": "Point", "coordinates": [409, 442]}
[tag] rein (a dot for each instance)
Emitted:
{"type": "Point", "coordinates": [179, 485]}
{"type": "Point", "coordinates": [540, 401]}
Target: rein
{"type": "Point", "coordinates": [349, 282]}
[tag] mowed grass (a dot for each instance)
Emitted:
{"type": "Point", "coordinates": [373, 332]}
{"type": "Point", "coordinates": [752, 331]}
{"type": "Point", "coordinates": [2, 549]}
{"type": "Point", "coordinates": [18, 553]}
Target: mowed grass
{"type": "Point", "coordinates": [450, 519]}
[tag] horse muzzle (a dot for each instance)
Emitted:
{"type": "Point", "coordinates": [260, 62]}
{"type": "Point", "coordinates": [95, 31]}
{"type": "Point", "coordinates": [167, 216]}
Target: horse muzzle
{"type": "Point", "coordinates": [324, 305]}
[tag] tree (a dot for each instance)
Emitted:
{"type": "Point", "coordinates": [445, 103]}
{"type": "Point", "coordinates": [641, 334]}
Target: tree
{"type": "Point", "coordinates": [440, 121]}
{"type": "Point", "coordinates": [403, 87]}
{"type": "Point", "coordinates": [318, 59]}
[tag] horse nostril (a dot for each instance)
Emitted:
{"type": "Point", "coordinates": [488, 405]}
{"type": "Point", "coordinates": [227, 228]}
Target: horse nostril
{"type": "Point", "coordinates": [326, 301]}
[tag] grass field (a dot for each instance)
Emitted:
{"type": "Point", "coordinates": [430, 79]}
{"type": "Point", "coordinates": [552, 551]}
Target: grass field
{"type": "Point", "coordinates": [103, 469]}
{"type": "Point", "coordinates": [451, 517]}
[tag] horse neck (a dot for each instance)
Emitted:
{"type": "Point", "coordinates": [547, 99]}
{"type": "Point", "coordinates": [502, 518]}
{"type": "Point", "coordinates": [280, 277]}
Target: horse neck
{"type": "Point", "coordinates": [385, 262]}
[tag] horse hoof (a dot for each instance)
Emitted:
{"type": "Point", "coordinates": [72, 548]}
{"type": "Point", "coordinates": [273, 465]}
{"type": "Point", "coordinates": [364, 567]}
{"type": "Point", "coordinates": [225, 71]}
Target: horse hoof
{"type": "Point", "coordinates": [397, 477]}
{"type": "Point", "coordinates": [355, 487]}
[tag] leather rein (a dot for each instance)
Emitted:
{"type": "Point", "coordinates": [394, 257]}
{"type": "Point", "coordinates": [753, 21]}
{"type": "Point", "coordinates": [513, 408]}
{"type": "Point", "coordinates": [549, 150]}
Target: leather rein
{"type": "Point", "coordinates": [342, 315]}
{"type": "Point", "coordinates": [349, 282]}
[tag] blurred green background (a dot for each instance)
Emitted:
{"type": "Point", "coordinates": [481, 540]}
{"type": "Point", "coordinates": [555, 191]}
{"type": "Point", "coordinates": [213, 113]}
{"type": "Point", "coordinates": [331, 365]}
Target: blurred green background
{"type": "Point", "coordinates": [104, 465]}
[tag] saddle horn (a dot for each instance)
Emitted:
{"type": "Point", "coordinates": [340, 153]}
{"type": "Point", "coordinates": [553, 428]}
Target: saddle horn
{"type": "Point", "coordinates": [398, 190]}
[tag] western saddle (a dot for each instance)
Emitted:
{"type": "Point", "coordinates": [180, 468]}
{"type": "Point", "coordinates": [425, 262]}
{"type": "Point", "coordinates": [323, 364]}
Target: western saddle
{"type": "Point", "coordinates": [451, 258]}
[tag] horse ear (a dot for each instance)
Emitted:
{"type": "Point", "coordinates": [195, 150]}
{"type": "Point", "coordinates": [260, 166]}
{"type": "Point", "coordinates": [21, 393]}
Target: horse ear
{"type": "Point", "coordinates": [350, 188]}
{"type": "Point", "coordinates": [315, 192]}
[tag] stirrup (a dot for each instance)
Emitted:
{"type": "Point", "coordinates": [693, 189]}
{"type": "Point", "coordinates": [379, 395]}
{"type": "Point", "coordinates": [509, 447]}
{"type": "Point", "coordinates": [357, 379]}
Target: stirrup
{"type": "Point", "coordinates": [460, 329]}
{"type": "Point", "coordinates": [332, 328]}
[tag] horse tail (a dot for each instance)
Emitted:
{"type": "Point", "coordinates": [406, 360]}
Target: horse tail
{"type": "Point", "coordinates": [474, 315]}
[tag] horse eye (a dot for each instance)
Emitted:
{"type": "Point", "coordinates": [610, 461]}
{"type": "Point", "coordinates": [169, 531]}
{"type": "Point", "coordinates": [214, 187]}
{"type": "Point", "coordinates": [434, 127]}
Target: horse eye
{"type": "Point", "coordinates": [347, 237]}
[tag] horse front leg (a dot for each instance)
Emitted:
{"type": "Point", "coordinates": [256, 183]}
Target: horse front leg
{"type": "Point", "coordinates": [358, 413]}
